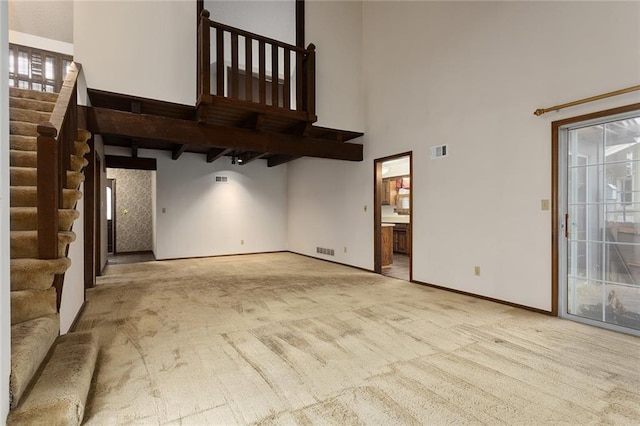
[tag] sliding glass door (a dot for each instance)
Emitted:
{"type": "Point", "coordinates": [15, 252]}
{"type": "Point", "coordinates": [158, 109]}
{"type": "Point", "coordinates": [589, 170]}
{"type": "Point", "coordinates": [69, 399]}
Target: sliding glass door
{"type": "Point", "coordinates": [600, 222]}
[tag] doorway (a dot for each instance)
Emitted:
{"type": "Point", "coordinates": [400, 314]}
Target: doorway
{"type": "Point", "coordinates": [111, 208]}
{"type": "Point", "coordinates": [393, 210]}
{"type": "Point", "coordinates": [597, 219]}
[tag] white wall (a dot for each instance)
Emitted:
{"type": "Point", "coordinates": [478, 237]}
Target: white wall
{"type": "Point", "coordinates": [471, 75]}
{"type": "Point", "coordinates": [202, 218]}
{"type": "Point", "coordinates": [47, 19]}
{"type": "Point", "coordinates": [138, 48]}
{"type": "Point", "coordinates": [327, 198]}
{"type": "Point", "coordinates": [38, 42]}
{"type": "Point", "coordinates": [5, 318]}
{"type": "Point", "coordinates": [73, 291]}
{"type": "Point", "coordinates": [269, 18]}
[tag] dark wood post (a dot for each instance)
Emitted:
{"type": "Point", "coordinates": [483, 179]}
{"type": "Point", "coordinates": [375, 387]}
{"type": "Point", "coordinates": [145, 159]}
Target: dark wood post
{"type": "Point", "coordinates": [310, 82]}
{"type": "Point", "coordinates": [49, 191]}
{"type": "Point", "coordinates": [204, 55]}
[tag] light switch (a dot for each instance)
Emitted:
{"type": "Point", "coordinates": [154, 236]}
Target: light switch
{"type": "Point", "coordinates": [544, 204]}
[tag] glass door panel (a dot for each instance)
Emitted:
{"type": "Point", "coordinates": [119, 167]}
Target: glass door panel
{"type": "Point", "coordinates": [603, 206]}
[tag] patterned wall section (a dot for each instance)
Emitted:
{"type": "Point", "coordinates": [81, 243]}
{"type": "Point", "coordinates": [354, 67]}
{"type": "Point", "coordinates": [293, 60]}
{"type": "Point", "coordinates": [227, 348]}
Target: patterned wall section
{"type": "Point", "coordinates": [134, 230]}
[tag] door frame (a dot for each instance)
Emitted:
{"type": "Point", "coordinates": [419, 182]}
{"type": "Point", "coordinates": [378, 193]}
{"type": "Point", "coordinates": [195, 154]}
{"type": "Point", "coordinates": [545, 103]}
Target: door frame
{"type": "Point", "coordinates": [111, 183]}
{"type": "Point", "coordinates": [377, 211]}
{"type": "Point", "coordinates": [555, 192]}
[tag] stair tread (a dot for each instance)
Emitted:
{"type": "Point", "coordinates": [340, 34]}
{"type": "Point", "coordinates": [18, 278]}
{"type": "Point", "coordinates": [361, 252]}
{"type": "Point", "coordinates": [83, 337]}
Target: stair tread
{"type": "Point", "coordinates": [36, 274]}
{"type": "Point", "coordinates": [24, 244]}
{"type": "Point", "coordinates": [59, 394]}
{"type": "Point", "coordinates": [32, 94]}
{"type": "Point", "coordinates": [30, 343]}
{"type": "Point", "coordinates": [33, 104]}
{"type": "Point", "coordinates": [28, 115]}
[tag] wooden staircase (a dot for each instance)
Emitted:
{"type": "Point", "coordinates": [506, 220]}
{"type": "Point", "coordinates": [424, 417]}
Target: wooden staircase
{"type": "Point", "coordinates": [50, 375]}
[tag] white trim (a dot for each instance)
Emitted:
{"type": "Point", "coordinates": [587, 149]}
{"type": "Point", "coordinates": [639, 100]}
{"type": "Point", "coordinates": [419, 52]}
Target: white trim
{"type": "Point", "coordinates": [5, 320]}
{"type": "Point", "coordinates": [31, 40]}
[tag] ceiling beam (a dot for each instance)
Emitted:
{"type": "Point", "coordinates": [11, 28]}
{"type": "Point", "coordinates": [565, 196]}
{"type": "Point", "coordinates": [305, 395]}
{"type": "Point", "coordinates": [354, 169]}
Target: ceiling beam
{"type": "Point", "coordinates": [248, 157]}
{"type": "Point", "coordinates": [178, 149]}
{"type": "Point", "coordinates": [118, 162]}
{"type": "Point", "coordinates": [216, 153]}
{"type": "Point", "coordinates": [144, 126]}
{"type": "Point", "coordinates": [277, 160]}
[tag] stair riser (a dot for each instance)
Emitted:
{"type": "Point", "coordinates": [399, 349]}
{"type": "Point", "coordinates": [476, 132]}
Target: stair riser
{"type": "Point", "coordinates": [35, 274]}
{"type": "Point", "coordinates": [30, 343]}
{"type": "Point", "coordinates": [23, 129]}
{"type": "Point", "coordinates": [30, 143]}
{"type": "Point", "coordinates": [27, 247]}
{"type": "Point", "coordinates": [27, 196]}
{"type": "Point", "coordinates": [29, 116]}
{"type": "Point", "coordinates": [31, 104]}
{"type": "Point", "coordinates": [27, 176]}
{"type": "Point", "coordinates": [14, 92]}
{"type": "Point", "coordinates": [29, 304]}
{"type": "Point", "coordinates": [28, 221]}
{"type": "Point", "coordinates": [30, 159]}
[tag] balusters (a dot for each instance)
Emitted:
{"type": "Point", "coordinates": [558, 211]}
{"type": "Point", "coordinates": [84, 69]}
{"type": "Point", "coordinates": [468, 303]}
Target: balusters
{"type": "Point", "coordinates": [262, 76]}
{"type": "Point", "coordinates": [286, 92]}
{"type": "Point", "coordinates": [284, 59]}
{"type": "Point", "coordinates": [234, 77]}
{"type": "Point", "coordinates": [220, 62]}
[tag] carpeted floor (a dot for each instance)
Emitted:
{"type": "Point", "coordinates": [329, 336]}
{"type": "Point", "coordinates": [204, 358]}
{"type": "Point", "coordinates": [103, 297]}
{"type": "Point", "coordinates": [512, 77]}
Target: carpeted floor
{"type": "Point", "coordinates": [285, 339]}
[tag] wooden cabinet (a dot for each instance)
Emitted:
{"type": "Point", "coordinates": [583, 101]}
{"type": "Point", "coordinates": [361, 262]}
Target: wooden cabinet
{"type": "Point", "coordinates": [387, 245]}
{"type": "Point", "coordinates": [386, 192]}
{"type": "Point", "coordinates": [402, 238]}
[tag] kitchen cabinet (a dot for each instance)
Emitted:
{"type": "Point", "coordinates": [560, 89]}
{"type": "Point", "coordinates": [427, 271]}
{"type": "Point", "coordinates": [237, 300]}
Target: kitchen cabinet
{"type": "Point", "coordinates": [386, 192]}
{"type": "Point", "coordinates": [387, 245]}
{"type": "Point", "coordinates": [402, 238]}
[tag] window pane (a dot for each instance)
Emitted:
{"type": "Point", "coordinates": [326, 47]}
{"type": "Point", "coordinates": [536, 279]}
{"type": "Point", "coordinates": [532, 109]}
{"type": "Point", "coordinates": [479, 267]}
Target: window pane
{"type": "Point", "coordinates": [12, 82]}
{"type": "Point", "coordinates": [65, 67]}
{"type": "Point", "coordinates": [23, 63]}
{"type": "Point", "coordinates": [36, 86]}
{"type": "Point", "coordinates": [23, 84]}
{"type": "Point", "coordinates": [49, 70]}
{"type": "Point", "coordinates": [48, 88]}
{"type": "Point", "coordinates": [11, 62]}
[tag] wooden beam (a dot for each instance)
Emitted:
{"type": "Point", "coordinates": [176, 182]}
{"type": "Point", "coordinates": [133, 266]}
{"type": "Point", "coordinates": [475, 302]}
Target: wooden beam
{"type": "Point", "coordinates": [216, 153]}
{"type": "Point", "coordinates": [143, 126]}
{"type": "Point", "coordinates": [248, 157]}
{"type": "Point", "coordinates": [300, 25]}
{"type": "Point", "coordinates": [134, 149]}
{"type": "Point", "coordinates": [277, 160]}
{"type": "Point", "coordinates": [136, 107]}
{"type": "Point", "coordinates": [118, 162]}
{"type": "Point", "coordinates": [254, 122]}
{"type": "Point", "coordinates": [178, 149]}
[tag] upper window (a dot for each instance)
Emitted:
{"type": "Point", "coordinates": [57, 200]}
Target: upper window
{"type": "Point", "coordinates": [37, 69]}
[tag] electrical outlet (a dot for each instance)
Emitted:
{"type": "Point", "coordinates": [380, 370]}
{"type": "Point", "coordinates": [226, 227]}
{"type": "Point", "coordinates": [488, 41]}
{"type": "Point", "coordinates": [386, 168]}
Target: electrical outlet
{"type": "Point", "coordinates": [544, 204]}
{"type": "Point", "coordinates": [476, 271]}
{"type": "Point", "coordinates": [241, 242]}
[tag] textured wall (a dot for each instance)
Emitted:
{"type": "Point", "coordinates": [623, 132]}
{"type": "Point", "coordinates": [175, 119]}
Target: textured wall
{"type": "Point", "coordinates": [134, 230]}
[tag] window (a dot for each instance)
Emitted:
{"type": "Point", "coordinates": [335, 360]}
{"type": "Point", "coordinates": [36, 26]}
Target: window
{"type": "Point", "coordinates": [37, 69]}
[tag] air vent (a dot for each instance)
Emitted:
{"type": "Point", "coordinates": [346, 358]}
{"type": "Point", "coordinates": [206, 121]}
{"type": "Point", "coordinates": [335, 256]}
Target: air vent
{"type": "Point", "coordinates": [222, 179]}
{"type": "Point", "coordinates": [324, 251]}
{"type": "Point", "coordinates": [439, 151]}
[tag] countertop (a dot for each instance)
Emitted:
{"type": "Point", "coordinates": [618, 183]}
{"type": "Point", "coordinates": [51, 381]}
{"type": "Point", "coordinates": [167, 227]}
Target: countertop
{"type": "Point", "coordinates": [396, 219]}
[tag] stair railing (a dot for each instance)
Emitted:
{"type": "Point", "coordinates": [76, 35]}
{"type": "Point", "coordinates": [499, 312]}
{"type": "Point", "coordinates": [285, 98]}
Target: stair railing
{"type": "Point", "coordinates": [55, 145]}
{"type": "Point", "coordinates": [283, 59]}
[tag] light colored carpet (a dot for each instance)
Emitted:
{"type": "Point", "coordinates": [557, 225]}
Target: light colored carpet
{"type": "Point", "coordinates": [285, 339]}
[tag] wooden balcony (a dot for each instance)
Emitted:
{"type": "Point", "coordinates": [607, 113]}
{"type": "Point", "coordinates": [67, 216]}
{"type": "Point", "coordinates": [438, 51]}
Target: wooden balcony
{"type": "Point", "coordinates": [256, 99]}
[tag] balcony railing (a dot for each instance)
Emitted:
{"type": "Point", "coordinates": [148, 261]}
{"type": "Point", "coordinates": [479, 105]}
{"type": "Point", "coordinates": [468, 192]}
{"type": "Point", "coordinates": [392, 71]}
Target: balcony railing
{"type": "Point", "coordinates": [240, 65]}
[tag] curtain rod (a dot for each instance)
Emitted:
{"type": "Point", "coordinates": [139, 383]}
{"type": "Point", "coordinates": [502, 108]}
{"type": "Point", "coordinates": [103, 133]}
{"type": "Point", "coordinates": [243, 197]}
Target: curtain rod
{"type": "Point", "coordinates": [541, 111]}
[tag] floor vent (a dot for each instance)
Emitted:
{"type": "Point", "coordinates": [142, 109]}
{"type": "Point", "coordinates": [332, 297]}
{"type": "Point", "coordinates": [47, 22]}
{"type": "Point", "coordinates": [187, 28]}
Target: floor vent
{"type": "Point", "coordinates": [222, 179]}
{"type": "Point", "coordinates": [324, 251]}
{"type": "Point", "coordinates": [439, 151]}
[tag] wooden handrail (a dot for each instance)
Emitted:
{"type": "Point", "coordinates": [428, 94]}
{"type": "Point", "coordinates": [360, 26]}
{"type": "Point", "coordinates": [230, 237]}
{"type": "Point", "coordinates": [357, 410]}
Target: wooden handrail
{"type": "Point", "coordinates": [55, 146]}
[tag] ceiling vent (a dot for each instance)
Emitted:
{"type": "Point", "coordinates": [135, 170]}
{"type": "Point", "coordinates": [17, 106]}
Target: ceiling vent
{"type": "Point", "coordinates": [222, 179]}
{"type": "Point", "coordinates": [439, 151]}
